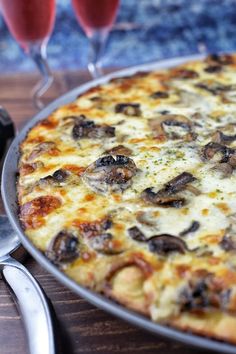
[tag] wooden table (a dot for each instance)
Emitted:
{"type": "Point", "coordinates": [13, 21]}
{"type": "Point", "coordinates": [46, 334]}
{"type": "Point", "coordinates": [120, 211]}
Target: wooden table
{"type": "Point", "coordinates": [83, 328]}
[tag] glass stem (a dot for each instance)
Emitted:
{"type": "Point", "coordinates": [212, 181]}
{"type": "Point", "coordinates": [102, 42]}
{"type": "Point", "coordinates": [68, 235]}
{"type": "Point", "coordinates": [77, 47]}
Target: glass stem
{"type": "Point", "coordinates": [97, 44]}
{"type": "Point", "coordinates": [37, 51]}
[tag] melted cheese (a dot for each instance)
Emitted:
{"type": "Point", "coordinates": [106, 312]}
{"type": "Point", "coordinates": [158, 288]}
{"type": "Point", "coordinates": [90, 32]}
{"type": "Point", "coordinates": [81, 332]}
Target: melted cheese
{"type": "Point", "coordinates": [158, 161]}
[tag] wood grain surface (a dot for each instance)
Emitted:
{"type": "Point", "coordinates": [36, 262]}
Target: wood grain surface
{"type": "Point", "coordinates": [82, 328]}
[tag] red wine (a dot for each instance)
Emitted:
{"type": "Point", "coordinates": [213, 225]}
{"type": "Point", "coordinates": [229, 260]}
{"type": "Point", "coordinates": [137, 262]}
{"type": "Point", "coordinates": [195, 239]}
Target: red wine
{"type": "Point", "coordinates": [29, 20]}
{"type": "Point", "coordinates": [95, 14]}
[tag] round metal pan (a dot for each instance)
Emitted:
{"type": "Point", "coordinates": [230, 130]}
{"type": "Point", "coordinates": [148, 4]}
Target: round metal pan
{"type": "Point", "coordinates": [11, 206]}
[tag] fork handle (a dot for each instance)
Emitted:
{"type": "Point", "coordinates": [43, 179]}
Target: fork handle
{"type": "Point", "coordinates": [32, 304]}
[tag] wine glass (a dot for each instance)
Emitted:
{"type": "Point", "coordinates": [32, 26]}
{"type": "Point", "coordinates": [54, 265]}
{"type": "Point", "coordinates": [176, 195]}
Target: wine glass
{"type": "Point", "coordinates": [96, 17]}
{"type": "Point", "coordinates": [30, 23]}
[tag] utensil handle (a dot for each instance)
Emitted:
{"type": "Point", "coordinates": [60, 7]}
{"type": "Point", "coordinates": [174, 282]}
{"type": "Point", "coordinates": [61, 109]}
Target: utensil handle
{"type": "Point", "coordinates": [33, 306]}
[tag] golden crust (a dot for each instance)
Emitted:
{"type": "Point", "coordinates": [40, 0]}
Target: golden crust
{"type": "Point", "coordinates": [217, 325]}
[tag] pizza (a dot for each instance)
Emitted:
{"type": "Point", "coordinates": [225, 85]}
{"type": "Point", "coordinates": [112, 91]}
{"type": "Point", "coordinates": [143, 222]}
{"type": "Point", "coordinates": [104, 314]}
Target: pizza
{"type": "Point", "coordinates": [130, 190]}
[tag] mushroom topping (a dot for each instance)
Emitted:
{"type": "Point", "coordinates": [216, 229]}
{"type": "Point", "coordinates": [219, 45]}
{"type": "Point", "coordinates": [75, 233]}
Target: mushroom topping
{"type": "Point", "coordinates": [47, 146]}
{"type": "Point", "coordinates": [179, 182]}
{"type": "Point", "coordinates": [172, 126]}
{"type": "Point", "coordinates": [165, 244]}
{"type": "Point", "coordinates": [192, 228]}
{"type": "Point", "coordinates": [85, 128]}
{"type": "Point", "coordinates": [223, 152]}
{"type": "Point", "coordinates": [213, 87]}
{"type": "Point", "coordinates": [166, 196]}
{"type": "Point", "coordinates": [222, 138]}
{"type": "Point", "coordinates": [109, 174]}
{"type": "Point", "coordinates": [105, 244]}
{"type": "Point", "coordinates": [216, 59]}
{"type": "Point", "coordinates": [94, 228]}
{"type": "Point", "coordinates": [119, 150]}
{"type": "Point", "coordinates": [159, 94]}
{"type": "Point", "coordinates": [63, 248]}
{"type": "Point", "coordinates": [136, 234]}
{"type": "Point", "coordinates": [225, 169]}
{"type": "Point", "coordinates": [184, 74]}
{"type": "Point", "coordinates": [211, 69]}
{"type": "Point", "coordinates": [200, 293]}
{"type": "Point", "coordinates": [162, 199]}
{"type": "Point", "coordinates": [57, 177]}
{"type": "Point", "coordinates": [129, 109]}
{"type": "Point", "coordinates": [228, 243]}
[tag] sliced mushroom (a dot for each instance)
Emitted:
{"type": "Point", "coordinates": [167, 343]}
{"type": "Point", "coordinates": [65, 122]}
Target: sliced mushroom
{"type": "Point", "coordinates": [225, 169]}
{"type": "Point", "coordinates": [179, 182]}
{"type": "Point", "coordinates": [119, 150]}
{"type": "Point", "coordinates": [215, 59]}
{"type": "Point", "coordinates": [136, 234]}
{"type": "Point", "coordinates": [212, 69]}
{"type": "Point", "coordinates": [57, 177]}
{"type": "Point", "coordinates": [184, 74]}
{"type": "Point", "coordinates": [172, 126]}
{"type": "Point", "coordinates": [94, 228]}
{"type": "Point", "coordinates": [165, 244]}
{"type": "Point", "coordinates": [166, 196]}
{"type": "Point", "coordinates": [159, 94]}
{"type": "Point", "coordinates": [228, 243]}
{"type": "Point", "coordinates": [202, 292]}
{"type": "Point", "coordinates": [129, 109]}
{"type": "Point", "coordinates": [85, 128]}
{"type": "Point", "coordinates": [105, 244]}
{"type": "Point", "coordinates": [192, 228]}
{"type": "Point", "coordinates": [162, 198]}
{"type": "Point", "coordinates": [221, 138]}
{"type": "Point", "coordinates": [63, 248]}
{"type": "Point", "coordinates": [47, 146]}
{"type": "Point", "coordinates": [213, 87]}
{"type": "Point", "coordinates": [223, 152]}
{"type": "Point", "coordinates": [109, 174]}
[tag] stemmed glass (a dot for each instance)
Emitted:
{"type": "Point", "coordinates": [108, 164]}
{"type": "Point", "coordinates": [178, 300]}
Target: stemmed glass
{"type": "Point", "coordinates": [30, 23]}
{"type": "Point", "coordinates": [96, 17]}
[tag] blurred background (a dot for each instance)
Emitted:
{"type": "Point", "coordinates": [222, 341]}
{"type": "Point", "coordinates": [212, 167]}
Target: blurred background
{"type": "Point", "coordinates": [145, 30]}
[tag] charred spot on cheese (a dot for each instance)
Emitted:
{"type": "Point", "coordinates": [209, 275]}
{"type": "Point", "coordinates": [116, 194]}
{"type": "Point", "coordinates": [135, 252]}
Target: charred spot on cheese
{"type": "Point", "coordinates": [165, 244]}
{"type": "Point", "coordinates": [159, 94]}
{"type": "Point", "coordinates": [136, 234]}
{"type": "Point", "coordinates": [166, 196]}
{"type": "Point", "coordinates": [172, 126]}
{"type": "Point", "coordinates": [63, 248]}
{"type": "Point", "coordinates": [119, 150]}
{"type": "Point", "coordinates": [31, 212]}
{"type": "Point", "coordinates": [45, 147]}
{"type": "Point", "coordinates": [85, 128]}
{"type": "Point", "coordinates": [57, 177]}
{"type": "Point", "coordinates": [110, 174]}
{"type": "Point", "coordinates": [221, 138]}
{"type": "Point", "coordinates": [192, 228]}
{"type": "Point", "coordinates": [184, 74]}
{"type": "Point", "coordinates": [129, 109]}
